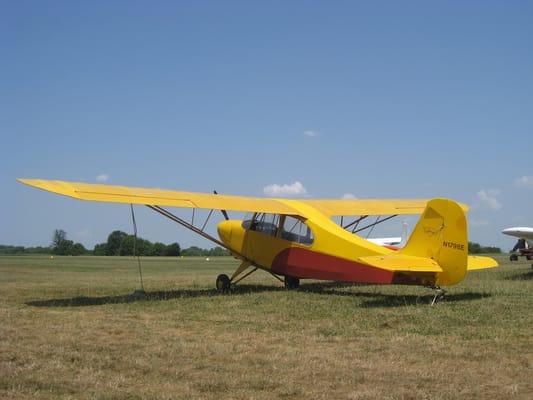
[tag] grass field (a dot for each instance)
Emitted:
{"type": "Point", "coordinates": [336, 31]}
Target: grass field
{"type": "Point", "coordinates": [70, 328]}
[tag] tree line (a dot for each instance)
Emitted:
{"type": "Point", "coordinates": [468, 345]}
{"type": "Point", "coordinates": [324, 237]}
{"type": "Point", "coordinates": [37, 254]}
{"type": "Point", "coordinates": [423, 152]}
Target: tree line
{"type": "Point", "coordinates": [121, 244]}
{"type": "Point", "coordinates": [476, 248]}
{"type": "Point", "coordinates": [9, 250]}
{"type": "Point", "coordinates": [118, 243]}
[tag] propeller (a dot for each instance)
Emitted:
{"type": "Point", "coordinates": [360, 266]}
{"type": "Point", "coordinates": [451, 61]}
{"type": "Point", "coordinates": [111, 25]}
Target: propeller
{"type": "Point", "coordinates": [224, 212]}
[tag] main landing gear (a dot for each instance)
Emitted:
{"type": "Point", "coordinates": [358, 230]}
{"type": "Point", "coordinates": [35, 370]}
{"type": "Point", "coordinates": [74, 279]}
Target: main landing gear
{"type": "Point", "coordinates": [291, 283]}
{"type": "Point", "coordinates": [223, 283]}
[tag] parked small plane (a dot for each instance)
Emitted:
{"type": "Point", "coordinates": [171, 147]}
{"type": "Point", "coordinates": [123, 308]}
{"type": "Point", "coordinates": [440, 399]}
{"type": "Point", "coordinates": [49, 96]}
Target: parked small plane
{"type": "Point", "coordinates": [389, 241]}
{"type": "Point", "coordinates": [298, 239]}
{"type": "Point", "coordinates": [524, 245]}
{"type": "Point", "coordinates": [393, 243]}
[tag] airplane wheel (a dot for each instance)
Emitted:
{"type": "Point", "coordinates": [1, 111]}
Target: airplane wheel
{"type": "Point", "coordinates": [529, 257]}
{"type": "Point", "coordinates": [513, 257]}
{"type": "Point", "coordinates": [223, 283]}
{"type": "Point", "coordinates": [292, 283]}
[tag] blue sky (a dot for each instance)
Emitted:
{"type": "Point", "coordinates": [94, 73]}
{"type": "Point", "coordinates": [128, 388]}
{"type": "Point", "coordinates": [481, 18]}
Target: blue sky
{"type": "Point", "coordinates": [374, 99]}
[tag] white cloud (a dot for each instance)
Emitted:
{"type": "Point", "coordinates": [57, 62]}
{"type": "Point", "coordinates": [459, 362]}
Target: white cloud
{"type": "Point", "coordinates": [524, 181]}
{"type": "Point", "coordinates": [285, 190]}
{"type": "Point", "coordinates": [348, 196]}
{"type": "Point", "coordinates": [488, 199]}
{"type": "Point", "coordinates": [311, 134]}
{"type": "Point", "coordinates": [102, 178]}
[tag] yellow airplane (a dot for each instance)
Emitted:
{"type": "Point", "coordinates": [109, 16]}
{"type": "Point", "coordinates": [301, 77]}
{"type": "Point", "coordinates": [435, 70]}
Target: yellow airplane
{"type": "Point", "coordinates": [298, 239]}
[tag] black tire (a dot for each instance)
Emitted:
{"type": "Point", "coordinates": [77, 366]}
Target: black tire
{"type": "Point", "coordinates": [513, 257]}
{"type": "Point", "coordinates": [529, 257]}
{"type": "Point", "coordinates": [291, 283]}
{"type": "Point", "coordinates": [223, 283]}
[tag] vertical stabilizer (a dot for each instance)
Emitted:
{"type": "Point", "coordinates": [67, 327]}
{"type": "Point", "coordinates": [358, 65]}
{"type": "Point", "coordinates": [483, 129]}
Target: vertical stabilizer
{"type": "Point", "coordinates": [441, 234]}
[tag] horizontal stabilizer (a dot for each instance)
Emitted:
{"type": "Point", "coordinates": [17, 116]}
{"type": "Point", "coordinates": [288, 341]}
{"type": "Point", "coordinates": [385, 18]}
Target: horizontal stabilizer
{"type": "Point", "coordinates": [478, 262]}
{"type": "Point", "coordinates": [399, 262]}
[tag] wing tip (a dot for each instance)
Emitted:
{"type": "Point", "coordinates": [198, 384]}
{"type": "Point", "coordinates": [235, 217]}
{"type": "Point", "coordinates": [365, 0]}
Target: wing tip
{"type": "Point", "coordinates": [481, 262]}
{"type": "Point", "coordinates": [29, 182]}
{"type": "Point", "coordinates": [39, 183]}
{"type": "Point", "coordinates": [59, 187]}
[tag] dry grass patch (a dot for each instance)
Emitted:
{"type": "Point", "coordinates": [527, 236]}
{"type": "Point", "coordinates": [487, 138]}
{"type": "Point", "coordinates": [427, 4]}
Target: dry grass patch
{"type": "Point", "coordinates": [71, 329]}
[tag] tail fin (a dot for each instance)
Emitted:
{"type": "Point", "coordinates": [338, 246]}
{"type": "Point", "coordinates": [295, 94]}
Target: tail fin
{"type": "Point", "coordinates": [441, 234]}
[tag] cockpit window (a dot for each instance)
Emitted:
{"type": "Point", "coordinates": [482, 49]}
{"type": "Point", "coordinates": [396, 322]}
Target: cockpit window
{"type": "Point", "coordinates": [293, 229]}
{"type": "Point", "coordinates": [263, 223]}
{"type": "Point", "coordinates": [296, 231]}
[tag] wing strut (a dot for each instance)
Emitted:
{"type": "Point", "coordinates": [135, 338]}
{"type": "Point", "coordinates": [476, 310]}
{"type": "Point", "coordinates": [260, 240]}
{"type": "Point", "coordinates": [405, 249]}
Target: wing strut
{"type": "Point", "coordinates": [193, 228]}
{"type": "Point", "coordinates": [378, 221]}
{"type": "Point", "coordinates": [356, 222]}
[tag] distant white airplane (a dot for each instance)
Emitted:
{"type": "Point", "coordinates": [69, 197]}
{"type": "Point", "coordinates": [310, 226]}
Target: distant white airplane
{"type": "Point", "coordinates": [524, 246]}
{"type": "Point", "coordinates": [391, 241]}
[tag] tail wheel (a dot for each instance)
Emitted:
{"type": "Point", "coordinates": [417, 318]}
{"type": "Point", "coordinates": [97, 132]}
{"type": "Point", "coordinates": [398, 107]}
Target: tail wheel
{"type": "Point", "coordinates": [223, 283]}
{"type": "Point", "coordinates": [291, 282]}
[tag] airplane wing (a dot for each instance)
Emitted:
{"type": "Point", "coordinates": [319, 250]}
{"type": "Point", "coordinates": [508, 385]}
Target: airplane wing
{"type": "Point", "coordinates": [172, 198]}
{"type": "Point", "coordinates": [160, 197]}
{"type": "Point", "coordinates": [368, 206]}
{"type": "Point", "coordinates": [339, 207]}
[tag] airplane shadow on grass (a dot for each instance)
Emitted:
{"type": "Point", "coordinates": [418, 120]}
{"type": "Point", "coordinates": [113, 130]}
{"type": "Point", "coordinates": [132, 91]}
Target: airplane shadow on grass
{"type": "Point", "coordinates": [377, 299]}
{"type": "Point", "coordinates": [159, 295]}
{"type": "Point", "coordinates": [372, 298]}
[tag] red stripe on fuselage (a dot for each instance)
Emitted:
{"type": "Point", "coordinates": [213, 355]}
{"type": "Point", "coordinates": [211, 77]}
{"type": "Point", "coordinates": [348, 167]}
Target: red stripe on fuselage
{"type": "Point", "coordinates": [303, 263]}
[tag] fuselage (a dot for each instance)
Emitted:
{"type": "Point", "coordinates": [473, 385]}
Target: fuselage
{"type": "Point", "coordinates": [313, 247]}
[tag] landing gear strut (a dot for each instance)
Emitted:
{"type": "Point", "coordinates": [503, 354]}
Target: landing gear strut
{"type": "Point", "coordinates": [291, 283]}
{"type": "Point", "coordinates": [223, 283]}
